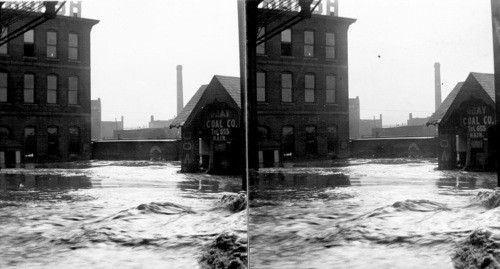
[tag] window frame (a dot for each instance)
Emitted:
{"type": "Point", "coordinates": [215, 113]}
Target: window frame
{"type": "Point", "coordinates": [288, 142]}
{"type": "Point", "coordinates": [29, 47]}
{"type": "Point", "coordinates": [313, 88]}
{"type": "Point", "coordinates": [52, 90]}
{"type": "Point", "coordinates": [286, 46]}
{"type": "Point", "coordinates": [28, 91]}
{"type": "Point", "coordinates": [4, 89]}
{"type": "Point", "coordinates": [286, 88]}
{"type": "Point", "coordinates": [334, 89]}
{"type": "Point", "coordinates": [331, 47]}
{"type": "Point", "coordinates": [261, 89]}
{"type": "Point", "coordinates": [73, 47]}
{"type": "Point", "coordinates": [51, 45]}
{"type": "Point", "coordinates": [261, 48]}
{"type": "Point", "coordinates": [4, 49]}
{"type": "Point", "coordinates": [309, 45]}
{"type": "Point", "coordinates": [75, 91]}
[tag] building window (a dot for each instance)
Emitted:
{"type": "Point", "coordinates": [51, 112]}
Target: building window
{"type": "Point", "coordinates": [331, 92]}
{"type": "Point", "coordinates": [311, 140]}
{"type": "Point", "coordinates": [51, 45]}
{"type": "Point", "coordinates": [287, 141]}
{"type": "Point", "coordinates": [332, 138]}
{"type": "Point", "coordinates": [308, 44]}
{"type": "Point", "coordinates": [4, 132]}
{"type": "Point", "coordinates": [73, 47]}
{"type": "Point", "coordinates": [29, 88]}
{"type": "Point", "coordinates": [261, 48]}
{"type": "Point", "coordinates": [261, 87]}
{"type": "Point", "coordinates": [309, 88]}
{"type": "Point", "coordinates": [29, 43]}
{"type": "Point", "coordinates": [29, 142]}
{"type": "Point", "coordinates": [53, 141]}
{"type": "Point", "coordinates": [286, 42]}
{"type": "Point", "coordinates": [330, 46]}
{"type": "Point", "coordinates": [263, 133]}
{"type": "Point", "coordinates": [74, 140]}
{"type": "Point", "coordinates": [286, 87]}
{"type": "Point", "coordinates": [51, 89]}
{"type": "Point", "coordinates": [72, 90]}
{"type": "Point", "coordinates": [3, 87]}
{"type": "Point", "coordinates": [3, 33]}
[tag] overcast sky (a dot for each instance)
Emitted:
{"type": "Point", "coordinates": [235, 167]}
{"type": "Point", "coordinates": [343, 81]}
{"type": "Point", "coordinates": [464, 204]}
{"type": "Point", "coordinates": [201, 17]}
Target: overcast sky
{"type": "Point", "coordinates": [137, 45]}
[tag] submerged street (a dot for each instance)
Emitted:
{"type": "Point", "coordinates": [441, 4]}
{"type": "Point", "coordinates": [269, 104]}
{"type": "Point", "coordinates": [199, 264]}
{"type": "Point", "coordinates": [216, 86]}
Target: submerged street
{"type": "Point", "coordinates": [367, 213]}
{"type": "Point", "coordinates": [110, 214]}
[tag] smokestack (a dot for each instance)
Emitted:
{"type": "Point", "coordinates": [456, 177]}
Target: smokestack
{"type": "Point", "coordinates": [180, 101]}
{"type": "Point", "coordinates": [411, 116]}
{"type": "Point", "coordinates": [437, 85]}
{"type": "Point", "coordinates": [152, 118]}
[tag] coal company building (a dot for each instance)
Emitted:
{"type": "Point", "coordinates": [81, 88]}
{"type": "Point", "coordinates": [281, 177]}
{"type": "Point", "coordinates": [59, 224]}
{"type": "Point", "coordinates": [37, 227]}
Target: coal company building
{"type": "Point", "coordinates": [44, 89]}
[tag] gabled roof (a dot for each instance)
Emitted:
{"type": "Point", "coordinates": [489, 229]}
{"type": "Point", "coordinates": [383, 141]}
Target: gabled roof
{"type": "Point", "coordinates": [188, 108]}
{"type": "Point", "coordinates": [438, 115]}
{"type": "Point", "coordinates": [463, 89]}
{"type": "Point", "coordinates": [231, 85]}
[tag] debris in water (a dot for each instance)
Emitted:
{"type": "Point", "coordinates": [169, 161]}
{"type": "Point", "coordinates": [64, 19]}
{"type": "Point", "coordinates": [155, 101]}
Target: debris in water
{"type": "Point", "coordinates": [235, 202]}
{"type": "Point", "coordinates": [227, 251]}
{"type": "Point", "coordinates": [489, 198]}
{"type": "Point", "coordinates": [479, 250]}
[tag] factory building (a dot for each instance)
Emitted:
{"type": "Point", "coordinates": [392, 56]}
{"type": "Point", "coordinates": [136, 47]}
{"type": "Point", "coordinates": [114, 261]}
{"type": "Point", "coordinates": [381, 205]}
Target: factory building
{"type": "Point", "coordinates": [302, 89]}
{"type": "Point", "coordinates": [44, 89]}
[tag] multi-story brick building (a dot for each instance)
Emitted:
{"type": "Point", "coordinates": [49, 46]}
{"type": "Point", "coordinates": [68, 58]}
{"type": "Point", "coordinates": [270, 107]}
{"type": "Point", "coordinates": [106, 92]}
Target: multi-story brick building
{"type": "Point", "coordinates": [302, 89]}
{"type": "Point", "coordinates": [45, 89]}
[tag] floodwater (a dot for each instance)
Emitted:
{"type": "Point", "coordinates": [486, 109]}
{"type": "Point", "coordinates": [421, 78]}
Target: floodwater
{"type": "Point", "coordinates": [386, 213]}
{"type": "Point", "coordinates": [112, 215]}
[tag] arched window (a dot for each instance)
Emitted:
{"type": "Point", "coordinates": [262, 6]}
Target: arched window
{"type": "Point", "coordinates": [287, 141]}
{"type": "Point", "coordinates": [53, 140]}
{"type": "Point", "coordinates": [311, 139]}
{"type": "Point", "coordinates": [332, 138]}
{"type": "Point", "coordinates": [29, 142]}
{"type": "Point", "coordinates": [74, 140]}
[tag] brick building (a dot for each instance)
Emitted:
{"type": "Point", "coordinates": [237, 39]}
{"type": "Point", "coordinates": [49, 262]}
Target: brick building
{"type": "Point", "coordinates": [45, 89]}
{"type": "Point", "coordinates": [302, 89]}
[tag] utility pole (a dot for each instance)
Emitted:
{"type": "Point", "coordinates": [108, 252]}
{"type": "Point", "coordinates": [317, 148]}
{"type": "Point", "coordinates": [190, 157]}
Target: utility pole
{"type": "Point", "coordinates": [495, 17]}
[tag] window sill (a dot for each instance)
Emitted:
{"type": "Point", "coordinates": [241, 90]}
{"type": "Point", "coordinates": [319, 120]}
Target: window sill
{"type": "Point", "coordinates": [331, 104]}
{"type": "Point", "coordinates": [5, 103]}
{"type": "Point", "coordinates": [74, 105]}
{"type": "Point", "coordinates": [30, 104]}
{"type": "Point", "coordinates": [287, 57]}
{"type": "Point", "coordinates": [52, 59]}
{"type": "Point", "coordinates": [29, 58]}
{"type": "Point", "coordinates": [5, 55]}
{"type": "Point", "coordinates": [310, 58]}
{"type": "Point", "coordinates": [74, 61]}
{"type": "Point", "coordinates": [287, 104]}
{"type": "Point", "coordinates": [262, 103]}
{"type": "Point", "coordinates": [52, 104]}
{"type": "Point", "coordinates": [311, 104]}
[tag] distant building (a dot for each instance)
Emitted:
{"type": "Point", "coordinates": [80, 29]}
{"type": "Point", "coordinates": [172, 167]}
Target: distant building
{"type": "Point", "coordinates": [416, 128]}
{"type": "Point", "coordinates": [465, 120]}
{"type": "Point", "coordinates": [102, 129]}
{"type": "Point", "coordinates": [45, 89]}
{"type": "Point", "coordinates": [416, 121]}
{"type": "Point", "coordinates": [366, 126]}
{"type": "Point", "coordinates": [302, 89]}
{"type": "Point", "coordinates": [354, 117]}
{"type": "Point", "coordinates": [159, 123]}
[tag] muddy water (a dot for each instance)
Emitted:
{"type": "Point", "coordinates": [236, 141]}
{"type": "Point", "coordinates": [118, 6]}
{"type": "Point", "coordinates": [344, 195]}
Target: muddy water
{"type": "Point", "coordinates": [110, 215]}
{"type": "Point", "coordinates": [364, 214]}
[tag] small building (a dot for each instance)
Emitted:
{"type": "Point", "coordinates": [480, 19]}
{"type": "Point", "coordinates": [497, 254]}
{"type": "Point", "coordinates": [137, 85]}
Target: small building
{"type": "Point", "coordinates": [464, 120]}
{"type": "Point", "coordinates": [44, 89]}
{"type": "Point", "coordinates": [210, 128]}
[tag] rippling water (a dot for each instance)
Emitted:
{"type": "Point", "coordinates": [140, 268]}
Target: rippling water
{"type": "Point", "coordinates": [110, 215]}
{"type": "Point", "coordinates": [364, 214]}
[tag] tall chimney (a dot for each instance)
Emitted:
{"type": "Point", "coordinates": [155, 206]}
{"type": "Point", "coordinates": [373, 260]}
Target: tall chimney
{"type": "Point", "coordinates": [437, 85]}
{"type": "Point", "coordinates": [180, 101]}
